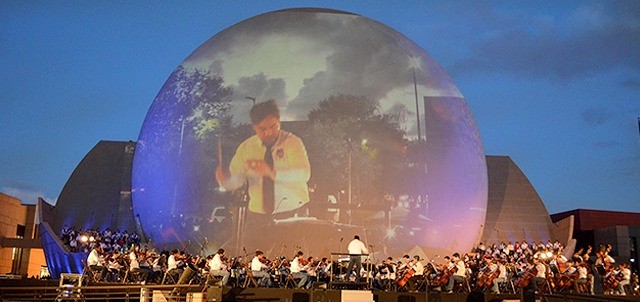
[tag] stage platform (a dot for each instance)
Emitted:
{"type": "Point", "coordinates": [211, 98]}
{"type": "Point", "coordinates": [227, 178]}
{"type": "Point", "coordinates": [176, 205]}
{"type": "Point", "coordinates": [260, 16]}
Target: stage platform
{"type": "Point", "coordinates": [51, 291]}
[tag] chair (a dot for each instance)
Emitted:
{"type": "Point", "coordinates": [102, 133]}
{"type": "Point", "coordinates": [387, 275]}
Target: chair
{"type": "Point", "coordinates": [290, 281]}
{"type": "Point", "coordinates": [250, 279]}
{"type": "Point", "coordinates": [421, 283]}
{"type": "Point", "coordinates": [88, 273]}
{"type": "Point", "coordinates": [462, 286]}
{"type": "Point", "coordinates": [213, 280]}
{"type": "Point", "coordinates": [166, 276]}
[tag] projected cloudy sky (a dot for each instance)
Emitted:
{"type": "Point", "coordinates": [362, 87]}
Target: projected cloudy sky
{"type": "Point", "coordinates": [553, 85]}
{"type": "Point", "coordinates": [318, 65]}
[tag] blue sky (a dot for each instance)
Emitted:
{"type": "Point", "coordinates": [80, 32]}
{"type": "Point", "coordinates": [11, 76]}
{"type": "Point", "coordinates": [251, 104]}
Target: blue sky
{"type": "Point", "coordinates": [556, 86]}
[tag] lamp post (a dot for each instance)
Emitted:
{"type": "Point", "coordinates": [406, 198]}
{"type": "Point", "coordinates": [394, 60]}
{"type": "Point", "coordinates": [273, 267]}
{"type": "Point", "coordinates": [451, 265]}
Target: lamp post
{"type": "Point", "coordinates": [414, 63]}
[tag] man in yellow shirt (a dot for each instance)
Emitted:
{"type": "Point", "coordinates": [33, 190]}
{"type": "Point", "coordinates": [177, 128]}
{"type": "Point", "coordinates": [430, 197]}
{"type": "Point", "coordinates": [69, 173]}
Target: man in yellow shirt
{"type": "Point", "coordinates": [275, 164]}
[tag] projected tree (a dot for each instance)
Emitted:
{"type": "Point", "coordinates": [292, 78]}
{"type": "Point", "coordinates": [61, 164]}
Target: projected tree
{"type": "Point", "coordinates": [348, 128]}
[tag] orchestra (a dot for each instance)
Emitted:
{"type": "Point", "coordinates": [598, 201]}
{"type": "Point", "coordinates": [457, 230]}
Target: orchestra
{"type": "Point", "coordinates": [509, 270]}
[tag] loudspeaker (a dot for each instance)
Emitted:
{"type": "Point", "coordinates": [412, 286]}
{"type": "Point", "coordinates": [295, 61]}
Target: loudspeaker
{"type": "Point", "coordinates": [214, 294]}
{"type": "Point", "coordinates": [300, 297]}
{"type": "Point", "coordinates": [433, 297]}
{"type": "Point", "coordinates": [528, 295]}
{"type": "Point", "coordinates": [406, 298]}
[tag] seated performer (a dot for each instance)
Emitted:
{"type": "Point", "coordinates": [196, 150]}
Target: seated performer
{"type": "Point", "coordinates": [419, 272]}
{"type": "Point", "coordinates": [297, 271]}
{"type": "Point", "coordinates": [386, 273]}
{"type": "Point", "coordinates": [259, 270]}
{"type": "Point", "coordinates": [541, 275]}
{"type": "Point", "coordinates": [458, 276]}
{"type": "Point", "coordinates": [173, 265]}
{"type": "Point", "coordinates": [218, 268]}
{"type": "Point", "coordinates": [95, 263]}
{"type": "Point", "coordinates": [502, 277]}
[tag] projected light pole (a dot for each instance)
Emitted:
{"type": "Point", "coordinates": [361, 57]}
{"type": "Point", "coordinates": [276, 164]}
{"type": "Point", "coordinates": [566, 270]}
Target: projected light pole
{"type": "Point", "coordinates": [414, 63]}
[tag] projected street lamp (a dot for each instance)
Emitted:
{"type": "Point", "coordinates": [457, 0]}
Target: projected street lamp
{"type": "Point", "coordinates": [252, 99]}
{"type": "Point", "coordinates": [414, 63]}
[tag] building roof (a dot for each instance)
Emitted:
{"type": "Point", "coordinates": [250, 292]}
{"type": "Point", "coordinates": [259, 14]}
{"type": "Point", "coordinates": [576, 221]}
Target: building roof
{"type": "Point", "coordinates": [587, 220]}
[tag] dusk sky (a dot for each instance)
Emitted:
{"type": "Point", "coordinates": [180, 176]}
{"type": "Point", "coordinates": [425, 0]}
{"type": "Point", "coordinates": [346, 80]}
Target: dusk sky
{"type": "Point", "coordinates": [554, 85]}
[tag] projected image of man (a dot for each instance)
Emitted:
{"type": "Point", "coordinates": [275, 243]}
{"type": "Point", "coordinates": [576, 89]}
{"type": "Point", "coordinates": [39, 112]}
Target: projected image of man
{"type": "Point", "coordinates": [275, 164]}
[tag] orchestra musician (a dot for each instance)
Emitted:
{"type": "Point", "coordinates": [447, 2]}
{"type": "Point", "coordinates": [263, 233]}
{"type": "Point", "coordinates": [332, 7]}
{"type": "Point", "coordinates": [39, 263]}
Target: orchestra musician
{"type": "Point", "coordinates": [96, 262]}
{"type": "Point", "coordinates": [145, 260]}
{"type": "Point", "coordinates": [583, 277]}
{"type": "Point", "coordinates": [386, 272]}
{"type": "Point", "coordinates": [135, 257]}
{"type": "Point", "coordinates": [501, 278]}
{"type": "Point", "coordinates": [217, 267]}
{"type": "Point", "coordinates": [312, 268]}
{"type": "Point", "coordinates": [323, 270]}
{"type": "Point", "coordinates": [259, 269]}
{"type": "Point", "coordinates": [418, 267]}
{"type": "Point", "coordinates": [541, 273]}
{"type": "Point", "coordinates": [626, 278]}
{"type": "Point", "coordinates": [459, 274]}
{"type": "Point", "coordinates": [114, 266]}
{"type": "Point", "coordinates": [174, 263]}
{"type": "Point", "coordinates": [298, 271]}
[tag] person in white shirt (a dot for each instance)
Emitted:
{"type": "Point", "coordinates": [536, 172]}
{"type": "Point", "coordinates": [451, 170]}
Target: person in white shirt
{"type": "Point", "coordinates": [541, 273]}
{"type": "Point", "coordinates": [418, 274]}
{"type": "Point", "coordinates": [583, 275]}
{"type": "Point", "coordinates": [626, 278]}
{"type": "Point", "coordinates": [259, 270]}
{"type": "Point", "coordinates": [298, 273]}
{"type": "Point", "coordinates": [173, 265]}
{"type": "Point", "coordinates": [95, 263]}
{"type": "Point", "coordinates": [386, 273]}
{"type": "Point", "coordinates": [356, 249]}
{"type": "Point", "coordinates": [461, 272]}
{"type": "Point", "coordinates": [218, 267]}
{"type": "Point", "coordinates": [501, 278]}
{"type": "Point", "coordinates": [114, 266]}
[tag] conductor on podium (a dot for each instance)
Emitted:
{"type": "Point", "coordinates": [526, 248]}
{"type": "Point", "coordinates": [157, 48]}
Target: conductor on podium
{"type": "Point", "coordinates": [356, 249]}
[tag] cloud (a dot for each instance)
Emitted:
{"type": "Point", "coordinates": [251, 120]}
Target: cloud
{"type": "Point", "coordinates": [27, 196]}
{"type": "Point", "coordinates": [594, 38]}
{"type": "Point", "coordinates": [259, 87]}
{"type": "Point", "coordinates": [596, 116]}
{"type": "Point", "coordinates": [318, 55]}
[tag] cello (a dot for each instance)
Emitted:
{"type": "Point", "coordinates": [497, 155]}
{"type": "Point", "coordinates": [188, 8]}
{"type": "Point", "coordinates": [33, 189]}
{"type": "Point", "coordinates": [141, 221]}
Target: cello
{"type": "Point", "coordinates": [407, 275]}
{"type": "Point", "coordinates": [446, 275]}
{"type": "Point", "coordinates": [525, 279]}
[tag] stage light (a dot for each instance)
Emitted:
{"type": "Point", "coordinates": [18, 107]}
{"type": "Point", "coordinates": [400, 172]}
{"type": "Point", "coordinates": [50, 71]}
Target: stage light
{"type": "Point", "coordinates": [92, 239]}
{"type": "Point", "coordinates": [415, 62]}
{"type": "Point", "coordinates": [84, 238]}
{"type": "Point", "coordinates": [391, 233]}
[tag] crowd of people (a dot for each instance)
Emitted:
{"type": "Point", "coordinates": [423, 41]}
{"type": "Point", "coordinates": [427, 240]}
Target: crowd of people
{"type": "Point", "coordinates": [497, 268]}
{"type": "Point", "coordinates": [76, 240]}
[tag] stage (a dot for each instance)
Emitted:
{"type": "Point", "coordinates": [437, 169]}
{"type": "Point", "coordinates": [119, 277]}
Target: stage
{"type": "Point", "coordinates": [35, 290]}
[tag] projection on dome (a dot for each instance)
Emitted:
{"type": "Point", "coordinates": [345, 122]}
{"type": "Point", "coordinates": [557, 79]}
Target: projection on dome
{"type": "Point", "coordinates": [349, 155]}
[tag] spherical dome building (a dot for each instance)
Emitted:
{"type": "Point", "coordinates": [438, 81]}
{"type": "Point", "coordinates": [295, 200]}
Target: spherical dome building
{"type": "Point", "coordinates": [373, 136]}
